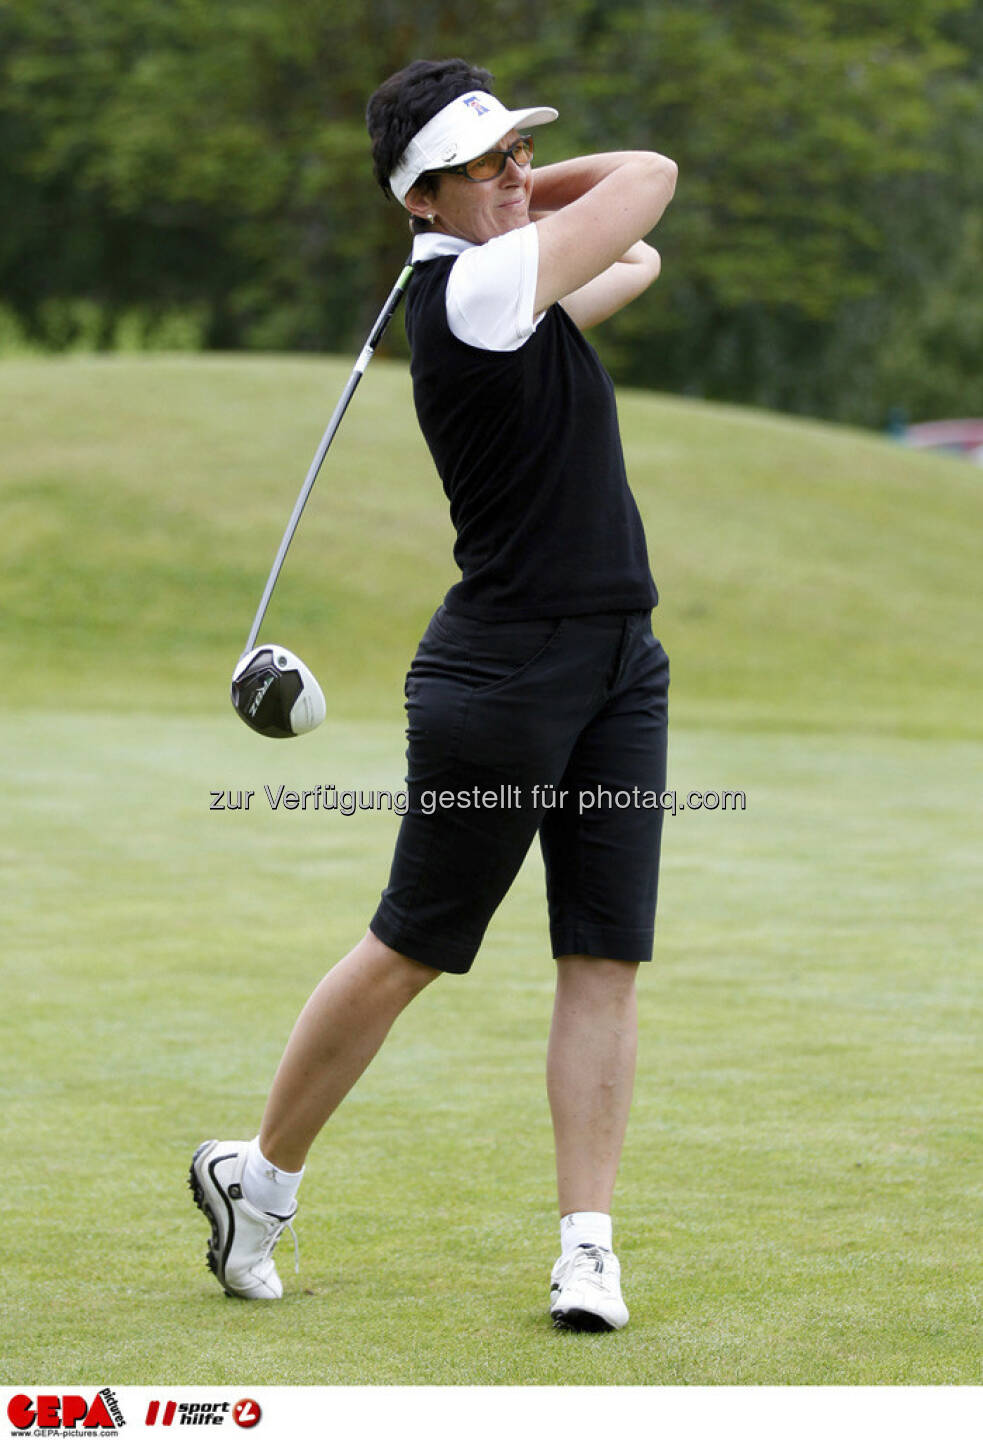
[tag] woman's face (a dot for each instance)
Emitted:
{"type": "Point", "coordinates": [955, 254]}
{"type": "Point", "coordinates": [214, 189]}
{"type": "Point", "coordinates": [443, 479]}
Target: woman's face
{"type": "Point", "coordinates": [479, 210]}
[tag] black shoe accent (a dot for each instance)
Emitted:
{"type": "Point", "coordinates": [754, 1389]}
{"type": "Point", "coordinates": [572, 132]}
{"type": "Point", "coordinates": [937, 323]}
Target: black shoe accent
{"type": "Point", "coordinates": [194, 1184]}
{"type": "Point", "coordinates": [580, 1320]}
{"type": "Point", "coordinates": [230, 1215]}
{"type": "Point", "coordinates": [216, 1255]}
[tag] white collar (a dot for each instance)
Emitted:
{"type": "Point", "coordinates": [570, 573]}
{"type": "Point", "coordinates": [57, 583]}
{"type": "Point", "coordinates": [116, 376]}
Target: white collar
{"type": "Point", "coordinates": [432, 244]}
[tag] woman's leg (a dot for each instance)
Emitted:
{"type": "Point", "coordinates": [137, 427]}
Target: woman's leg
{"type": "Point", "coordinates": [337, 1033]}
{"type": "Point", "coordinates": [590, 1073]}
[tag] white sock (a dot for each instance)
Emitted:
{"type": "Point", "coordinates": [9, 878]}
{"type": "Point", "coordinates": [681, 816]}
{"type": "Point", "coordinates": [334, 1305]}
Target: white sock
{"type": "Point", "coordinates": [585, 1227]}
{"type": "Point", "coordinates": [267, 1187]}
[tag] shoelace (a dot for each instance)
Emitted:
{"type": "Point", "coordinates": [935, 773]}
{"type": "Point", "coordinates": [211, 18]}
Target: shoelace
{"type": "Point", "coordinates": [274, 1235]}
{"type": "Point", "coordinates": [592, 1257]}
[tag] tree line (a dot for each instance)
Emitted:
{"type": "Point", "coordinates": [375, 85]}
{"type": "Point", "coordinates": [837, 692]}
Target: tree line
{"type": "Point", "coordinates": [196, 173]}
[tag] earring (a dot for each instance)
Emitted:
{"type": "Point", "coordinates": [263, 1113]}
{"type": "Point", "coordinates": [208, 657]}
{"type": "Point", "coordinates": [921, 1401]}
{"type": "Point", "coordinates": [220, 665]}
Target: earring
{"type": "Point", "coordinates": [430, 219]}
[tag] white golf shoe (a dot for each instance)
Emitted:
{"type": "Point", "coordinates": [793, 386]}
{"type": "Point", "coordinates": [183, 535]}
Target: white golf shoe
{"type": "Point", "coordinates": [240, 1248]}
{"type": "Point", "coordinates": [585, 1291]}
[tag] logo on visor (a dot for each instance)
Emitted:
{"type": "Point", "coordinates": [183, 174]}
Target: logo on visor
{"type": "Point", "coordinates": [473, 103]}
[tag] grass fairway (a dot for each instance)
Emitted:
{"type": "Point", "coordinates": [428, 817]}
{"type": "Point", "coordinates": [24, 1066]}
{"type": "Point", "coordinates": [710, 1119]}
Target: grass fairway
{"type": "Point", "coordinates": [799, 1199]}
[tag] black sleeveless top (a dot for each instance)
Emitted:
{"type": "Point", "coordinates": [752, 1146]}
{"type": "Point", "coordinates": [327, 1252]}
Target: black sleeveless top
{"type": "Point", "coordinates": [527, 446]}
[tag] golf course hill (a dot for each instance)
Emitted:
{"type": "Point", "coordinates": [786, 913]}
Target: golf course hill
{"type": "Point", "coordinates": [812, 576]}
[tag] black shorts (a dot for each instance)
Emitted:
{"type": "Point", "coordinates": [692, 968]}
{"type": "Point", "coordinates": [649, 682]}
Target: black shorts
{"type": "Point", "coordinates": [556, 727]}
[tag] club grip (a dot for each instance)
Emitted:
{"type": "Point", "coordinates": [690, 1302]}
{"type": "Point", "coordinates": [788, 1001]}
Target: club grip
{"type": "Point", "coordinates": [388, 311]}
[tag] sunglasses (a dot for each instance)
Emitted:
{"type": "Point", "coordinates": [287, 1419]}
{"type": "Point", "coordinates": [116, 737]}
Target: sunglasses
{"type": "Point", "coordinates": [490, 165]}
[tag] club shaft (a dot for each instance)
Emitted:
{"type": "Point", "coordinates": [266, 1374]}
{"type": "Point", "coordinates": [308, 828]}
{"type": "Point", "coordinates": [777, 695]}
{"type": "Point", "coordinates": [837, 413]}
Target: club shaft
{"type": "Point", "coordinates": [368, 350]}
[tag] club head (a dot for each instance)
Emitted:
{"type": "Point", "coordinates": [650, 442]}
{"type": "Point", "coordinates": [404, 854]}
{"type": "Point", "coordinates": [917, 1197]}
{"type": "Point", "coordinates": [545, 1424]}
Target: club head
{"type": "Point", "coordinates": [275, 694]}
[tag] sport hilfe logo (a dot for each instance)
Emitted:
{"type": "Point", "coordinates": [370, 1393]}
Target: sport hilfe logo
{"type": "Point", "coordinates": [66, 1412]}
{"type": "Point", "coordinates": [245, 1413]}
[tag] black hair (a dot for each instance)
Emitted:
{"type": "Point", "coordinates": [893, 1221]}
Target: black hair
{"type": "Point", "coordinates": [404, 103]}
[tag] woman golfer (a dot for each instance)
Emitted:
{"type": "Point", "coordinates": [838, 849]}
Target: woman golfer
{"type": "Point", "coordinates": [537, 697]}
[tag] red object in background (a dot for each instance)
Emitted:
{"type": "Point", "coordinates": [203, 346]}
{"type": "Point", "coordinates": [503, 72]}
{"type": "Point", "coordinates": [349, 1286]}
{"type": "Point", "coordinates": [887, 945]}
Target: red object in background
{"type": "Point", "coordinates": [957, 437]}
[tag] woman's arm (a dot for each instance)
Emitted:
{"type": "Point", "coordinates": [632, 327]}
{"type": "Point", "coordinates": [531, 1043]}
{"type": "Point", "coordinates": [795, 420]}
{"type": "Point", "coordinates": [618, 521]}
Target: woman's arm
{"type": "Point", "coordinates": [610, 291]}
{"type": "Point", "coordinates": [591, 214]}
{"type": "Point", "coordinates": [557, 185]}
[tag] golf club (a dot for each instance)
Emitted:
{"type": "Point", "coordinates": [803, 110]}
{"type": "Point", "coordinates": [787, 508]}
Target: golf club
{"type": "Point", "coordinates": [273, 691]}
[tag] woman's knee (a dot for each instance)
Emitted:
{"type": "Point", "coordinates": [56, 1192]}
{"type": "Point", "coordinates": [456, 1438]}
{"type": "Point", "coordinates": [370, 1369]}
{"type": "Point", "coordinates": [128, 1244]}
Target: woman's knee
{"type": "Point", "coordinates": [590, 974]}
{"type": "Point", "coordinates": [402, 971]}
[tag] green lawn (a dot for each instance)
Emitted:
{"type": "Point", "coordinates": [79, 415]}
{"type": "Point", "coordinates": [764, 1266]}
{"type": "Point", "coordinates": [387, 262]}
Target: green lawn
{"type": "Point", "coordinates": [800, 1197]}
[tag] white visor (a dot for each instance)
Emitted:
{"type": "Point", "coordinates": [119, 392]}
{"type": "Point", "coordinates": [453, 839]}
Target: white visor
{"type": "Point", "coordinates": [462, 131]}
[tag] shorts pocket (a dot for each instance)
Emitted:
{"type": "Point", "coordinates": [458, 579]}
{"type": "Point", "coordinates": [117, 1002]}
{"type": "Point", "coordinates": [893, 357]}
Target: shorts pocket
{"type": "Point", "coordinates": [496, 652]}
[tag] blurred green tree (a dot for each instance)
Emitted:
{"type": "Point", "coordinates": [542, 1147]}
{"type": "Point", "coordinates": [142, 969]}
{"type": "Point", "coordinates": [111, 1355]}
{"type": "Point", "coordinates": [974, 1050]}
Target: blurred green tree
{"type": "Point", "coordinates": [161, 156]}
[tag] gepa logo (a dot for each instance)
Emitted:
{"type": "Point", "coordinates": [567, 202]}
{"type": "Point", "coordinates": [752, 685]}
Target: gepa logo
{"type": "Point", "coordinates": [66, 1412]}
{"type": "Point", "coordinates": [473, 103]}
